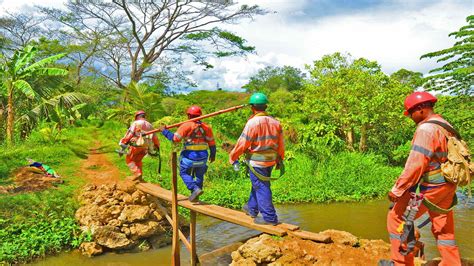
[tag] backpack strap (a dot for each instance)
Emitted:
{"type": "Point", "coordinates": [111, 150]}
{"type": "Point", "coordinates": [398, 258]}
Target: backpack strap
{"type": "Point", "coordinates": [447, 127]}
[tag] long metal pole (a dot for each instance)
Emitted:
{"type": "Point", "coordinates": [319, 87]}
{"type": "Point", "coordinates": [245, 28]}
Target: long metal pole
{"type": "Point", "coordinates": [198, 118]}
{"type": "Point", "coordinates": [174, 211]}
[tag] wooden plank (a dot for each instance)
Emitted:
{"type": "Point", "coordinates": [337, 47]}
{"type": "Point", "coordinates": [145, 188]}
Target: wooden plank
{"type": "Point", "coordinates": [192, 236]}
{"type": "Point", "coordinates": [316, 237]}
{"type": "Point", "coordinates": [215, 211]}
{"type": "Point", "coordinates": [170, 220]}
{"type": "Point", "coordinates": [174, 213]}
{"type": "Point", "coordinates": [288, 227]}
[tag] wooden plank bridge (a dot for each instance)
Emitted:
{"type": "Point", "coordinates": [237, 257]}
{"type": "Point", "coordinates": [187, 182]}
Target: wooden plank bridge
{"type": "Point", "coordinates": [224, 214]}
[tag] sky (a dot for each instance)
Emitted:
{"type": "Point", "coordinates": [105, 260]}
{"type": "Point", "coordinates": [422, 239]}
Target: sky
{"type": "Point", "coordinates": [395, 33]}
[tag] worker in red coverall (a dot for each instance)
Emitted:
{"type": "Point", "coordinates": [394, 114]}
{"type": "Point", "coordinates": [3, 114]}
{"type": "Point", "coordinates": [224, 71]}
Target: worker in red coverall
{"type": "Point", "coordinates": [262, 143]}
{"type": "Point", "coordinates": [198, 138]}
{"type": "Point", "coordinates": [428, 151]}
{"type": "Point", "coordinates": [138, 145]}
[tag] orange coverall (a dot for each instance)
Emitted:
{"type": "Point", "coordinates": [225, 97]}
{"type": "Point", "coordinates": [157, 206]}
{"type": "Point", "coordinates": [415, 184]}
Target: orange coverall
{"type": "Point", "coordinates": [262, 141]}
{"type": "Point", "coordinates": [135, 155]}
{"type": "Point", "coordinates": [428, 151]}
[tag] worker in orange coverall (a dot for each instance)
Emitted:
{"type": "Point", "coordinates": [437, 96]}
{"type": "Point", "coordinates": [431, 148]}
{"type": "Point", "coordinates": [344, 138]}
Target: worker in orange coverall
{"type": "Point", "coordinates": [138, 145]}
{"type": "Point", "coordinates": [198, 139]}
{"type": "Point", "coordinates": [428, 151]}
{"type": "Point", "coordinates": [262, 142]}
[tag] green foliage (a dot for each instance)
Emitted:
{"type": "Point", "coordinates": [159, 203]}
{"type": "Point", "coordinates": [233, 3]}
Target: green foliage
{"type": "Point", "coordinates": [409, 78]}
{"type": "Point", "coordinates": [457, 73]}
{"type": "Point", "coordinates": [458, 110]}
{"type": "Point", "coordinates": [271, 79]}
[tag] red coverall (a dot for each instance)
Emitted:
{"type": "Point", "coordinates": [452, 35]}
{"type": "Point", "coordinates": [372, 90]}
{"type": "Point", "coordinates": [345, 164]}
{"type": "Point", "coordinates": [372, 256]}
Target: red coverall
{"type": "Point", "coordinates": [135, 155]}
{"type": "Point", "coordinates": [428, 151]}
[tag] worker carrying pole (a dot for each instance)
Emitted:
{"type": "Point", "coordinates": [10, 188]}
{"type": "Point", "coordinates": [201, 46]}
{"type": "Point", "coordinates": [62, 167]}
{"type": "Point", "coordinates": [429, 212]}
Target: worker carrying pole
{"type": "Point", "coordinates": [198, 139]}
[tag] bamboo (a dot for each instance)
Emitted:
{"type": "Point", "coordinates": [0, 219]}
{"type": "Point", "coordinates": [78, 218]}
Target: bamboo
{"type": "Point", "coordinates": [174, 212]}
{"type": "Point", "coordinates": [198, 118]}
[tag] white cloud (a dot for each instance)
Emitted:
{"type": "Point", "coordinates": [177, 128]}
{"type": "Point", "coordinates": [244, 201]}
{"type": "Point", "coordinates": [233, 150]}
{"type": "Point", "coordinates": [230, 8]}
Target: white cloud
{"type": "Point", "coordinates": [393, 32]}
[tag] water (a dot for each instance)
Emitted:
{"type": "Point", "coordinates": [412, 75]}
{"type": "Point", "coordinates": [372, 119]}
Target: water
{"type": "Point", "coordinates": [365, 220]}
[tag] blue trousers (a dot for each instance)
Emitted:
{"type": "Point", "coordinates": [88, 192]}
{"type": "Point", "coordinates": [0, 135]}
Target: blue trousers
{"type": "Point", "coordinates": [261, 196]}
{"type": "Point", "coordinates": [192, 176]}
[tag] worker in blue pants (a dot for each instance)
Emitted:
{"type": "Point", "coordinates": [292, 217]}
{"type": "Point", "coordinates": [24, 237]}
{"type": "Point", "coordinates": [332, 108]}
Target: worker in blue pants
{"type": "Point", "coordinates": [260, 200]}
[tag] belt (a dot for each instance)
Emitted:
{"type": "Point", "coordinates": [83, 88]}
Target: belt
{"type": "Point", "coordinates": [264, 156]}
{"type": "Point", "coordinates": [198, 147]}
{"type": "Point", "coordinates": [434, 177]}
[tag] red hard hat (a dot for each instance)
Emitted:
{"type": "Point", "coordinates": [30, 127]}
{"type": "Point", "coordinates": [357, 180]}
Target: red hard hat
{"type": "Point", "coordinates": [417, 98]}
{"type": "Point", "coordinates": [141, 112]}
{"type": "Point", "coordinates": [194, 110]}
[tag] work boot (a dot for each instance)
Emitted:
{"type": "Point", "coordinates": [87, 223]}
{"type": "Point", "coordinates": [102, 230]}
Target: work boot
{"type": "Point", "coordinates": [259, 220]}
{"type": "Point", "coordinates": [385, 263]}
{"type": "Point", "coordinates": [246, 209]}
{"type": "Point", "coordinates": [195, 195]}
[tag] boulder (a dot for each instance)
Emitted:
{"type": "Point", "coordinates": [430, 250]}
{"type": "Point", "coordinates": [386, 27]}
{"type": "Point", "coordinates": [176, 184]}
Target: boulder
{"type": "Point", "coordinates": [260, 250]}
{"type": "Point", "coordinates": [111, 237]}
{"type": "Point", "coordinates": [144, 230]}
{"type": "Point", "coordinates": [134, 213]}
{"type": "Point", "coordinates": [91, 249]}
{"type": "Point", "coordinates": [342, 237]}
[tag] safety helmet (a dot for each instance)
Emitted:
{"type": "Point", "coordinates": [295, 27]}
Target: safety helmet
{"type": "Point", "coordinates": [141, 112]}
{"type": "Point", "coordinates": [258, 98]}
{"type": "Point", "coordinates": [416, 99]}
{"type": "Point", "coordinates": [194, 111]}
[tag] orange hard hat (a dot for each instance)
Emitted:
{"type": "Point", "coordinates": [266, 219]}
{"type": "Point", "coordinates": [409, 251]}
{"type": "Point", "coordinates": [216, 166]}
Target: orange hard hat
{"type": "Point", "coordinates": [194, 110]}
{"type": "Point", "coordinates": [140, 112]}
{"type": "Point", "coordinates": [417, 98]}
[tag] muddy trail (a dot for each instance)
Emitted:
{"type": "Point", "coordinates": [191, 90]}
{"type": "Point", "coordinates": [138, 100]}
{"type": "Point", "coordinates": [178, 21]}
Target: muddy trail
{"type": "Point", "coordinates": [97, 168]}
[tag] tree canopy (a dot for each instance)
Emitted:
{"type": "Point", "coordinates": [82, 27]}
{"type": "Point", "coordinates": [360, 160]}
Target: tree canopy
{"type": "Point", "coordinates": [457, 73]}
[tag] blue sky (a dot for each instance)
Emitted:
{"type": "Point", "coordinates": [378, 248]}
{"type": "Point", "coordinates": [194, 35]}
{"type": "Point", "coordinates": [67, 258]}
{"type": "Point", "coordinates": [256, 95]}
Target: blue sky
{"type": "Point", "coordinates": [395, 33]}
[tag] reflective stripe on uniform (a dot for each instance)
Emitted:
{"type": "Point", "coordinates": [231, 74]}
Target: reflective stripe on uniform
{"type": "Point", "coordinates": [422, 150]}
{"type": "Point", "coordinates": [441, 154]}
{"type": "Point", "coordinates": [434, 177]}
{"type": "Point", "coordinates": [444, 242]}
{"type": "Point", "coordinates": [178, 136]}
{"type": "Point", "coordinates": [263, 156]}
{"type": "Point", "coordinates": [394, 236]}
{"type": "Point", "coordinates": [196, 147]}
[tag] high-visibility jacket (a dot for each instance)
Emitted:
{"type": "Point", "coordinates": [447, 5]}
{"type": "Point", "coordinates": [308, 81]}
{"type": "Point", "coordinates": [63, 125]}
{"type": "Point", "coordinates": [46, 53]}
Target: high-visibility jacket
{"type": "Point", "coordinates": [261, 140]}
{"type": "Point", "coordinates": [139, 126]}
{"type": "Point", "coordinates": [428, 151]}
{"type": "Point", "coordinates": [197, 136]}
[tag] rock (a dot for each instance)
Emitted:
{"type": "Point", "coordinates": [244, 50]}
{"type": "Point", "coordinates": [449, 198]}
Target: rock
{"type": "Point", "coordinates": [110, 237]}
{"type": "Point", "coordinates": [127, 198]}
{"type": "Point", "coordinates": [144, 230]}
{"type": "Point", "coordinates": [159, 241]}
{"type": "Point", "coordinates": [260, 250]}
{"type": "Point", "coordinates": [134, 213]}
{"type": "Point", "coordinates": [91, 249]}
{"type": "Point", "coordinates": [342, 237]}
{"type": "Point", "coordinates": [115, 210]}
{"type": "Point", "coordinates": [157, 216]}
{"type": "Point", "coordinates": [126, 186]}
{"type": "Point", "coordinates": [115, 223]}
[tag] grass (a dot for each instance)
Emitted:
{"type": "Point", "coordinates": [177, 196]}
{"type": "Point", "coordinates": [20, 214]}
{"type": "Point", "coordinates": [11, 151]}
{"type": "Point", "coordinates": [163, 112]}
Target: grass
{"type": "Point", "coordinates": [36, 224]}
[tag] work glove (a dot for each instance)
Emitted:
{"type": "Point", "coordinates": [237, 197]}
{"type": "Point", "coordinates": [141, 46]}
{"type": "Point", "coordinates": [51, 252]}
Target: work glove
{"type": "Point", "coordinates": [212, 159]}
{"type": "Point", "coordinates": [123, 146]}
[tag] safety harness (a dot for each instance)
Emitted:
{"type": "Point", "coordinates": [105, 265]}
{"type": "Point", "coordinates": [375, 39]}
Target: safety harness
{"type": "Point", "coordinates": [407, 227]}
{"type": "Point", "coordinates": [197, 134]}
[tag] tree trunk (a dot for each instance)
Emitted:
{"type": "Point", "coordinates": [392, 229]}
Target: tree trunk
{"type": "Point", "coordinates": [350, 139]}
{"type": "Point", "coordinates": [363, 138]}
{"type": "Point", "coordinates": [10, 117]}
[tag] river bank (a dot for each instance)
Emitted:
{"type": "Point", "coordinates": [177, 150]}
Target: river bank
{"type": "Point", "coordinates": [364, 220]}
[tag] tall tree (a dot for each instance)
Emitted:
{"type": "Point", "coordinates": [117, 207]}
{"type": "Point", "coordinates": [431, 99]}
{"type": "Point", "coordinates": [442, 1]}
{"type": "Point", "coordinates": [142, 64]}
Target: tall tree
{"type": "Point", "coordinates": [271, 79]}
{"type": "Point", "coordinates": [355, 96]}
{"type": "Point", "coordinates": [409, 78]}
{"type": "Point", "coordinates": [15, 75]}
{"type": "Point", "coordinates": [457, 73]}
{"type": "Point", "coordinates": [148, 33]}
{"type": "Point", "coordinates": [18, 30]}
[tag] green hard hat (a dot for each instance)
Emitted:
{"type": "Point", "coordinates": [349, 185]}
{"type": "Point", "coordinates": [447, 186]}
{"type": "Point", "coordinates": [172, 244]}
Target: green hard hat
{"type": "Point", "coordinates": [258, 98]}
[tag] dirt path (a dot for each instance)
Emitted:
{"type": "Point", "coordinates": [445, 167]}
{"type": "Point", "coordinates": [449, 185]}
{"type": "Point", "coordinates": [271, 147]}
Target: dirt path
{"type": "Point", "coordinates": [97, 169]}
